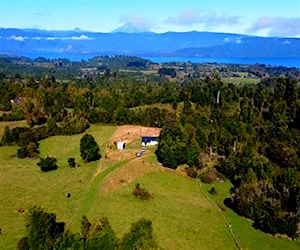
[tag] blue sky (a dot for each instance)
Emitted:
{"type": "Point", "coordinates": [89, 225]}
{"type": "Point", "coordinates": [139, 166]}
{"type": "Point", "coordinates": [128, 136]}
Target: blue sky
{"type": "Point", "coordinates": [253, 17]}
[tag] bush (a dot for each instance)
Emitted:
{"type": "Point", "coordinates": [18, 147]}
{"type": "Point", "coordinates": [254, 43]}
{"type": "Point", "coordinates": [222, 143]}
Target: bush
{"type": "Point", "coordinates": [47, 164]}
{"type": "Point", "coordinates": [210, 176]}
{"type": "Point", "coordinates": [71, 162]}
{"type": "Point", "coordinates": [141, 193]}
{"type": "Point", "coordinates": [191, 172]}
{"type": "Point", "coordinates": [30, 150]}
{"type": "Point", "coordinates": [22, 153]}
{"type": "Point", "coordinates": [213, 191]}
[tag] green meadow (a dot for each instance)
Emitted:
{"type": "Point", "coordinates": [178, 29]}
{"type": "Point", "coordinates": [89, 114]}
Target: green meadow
{"type": "Point", "coordinates": [184, 214]}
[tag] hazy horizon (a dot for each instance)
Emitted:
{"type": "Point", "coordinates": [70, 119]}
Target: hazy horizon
{"type": "Point", "coordinates": [267, 18]}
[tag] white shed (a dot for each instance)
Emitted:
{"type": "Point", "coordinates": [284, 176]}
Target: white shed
{"type": "Point", "coordinates": [121, 145]}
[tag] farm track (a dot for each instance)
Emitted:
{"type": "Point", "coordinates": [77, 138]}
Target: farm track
{"type": "Point", "coordinates": [92, 188]}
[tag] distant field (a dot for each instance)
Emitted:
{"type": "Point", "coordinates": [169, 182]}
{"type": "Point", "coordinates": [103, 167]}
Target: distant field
{"type": "Point", "coordinates": [182, 212]}
{"type": "Point", "coordinates": [11, 125]}
{"type": "Point", "coordinates": [240, 80]}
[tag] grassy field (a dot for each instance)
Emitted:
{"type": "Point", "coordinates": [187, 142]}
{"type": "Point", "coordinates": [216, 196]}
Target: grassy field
{"type": "Point", "coordinates": [11, 125]}
{"type": "Point", "coordinates": [24, 185]}
{"type": "Point", "coordinates": [184, 214]}
{"type": "Point", "coordinates": [248, 237]}
{"type": "Point", "coordinates": [241, 80]}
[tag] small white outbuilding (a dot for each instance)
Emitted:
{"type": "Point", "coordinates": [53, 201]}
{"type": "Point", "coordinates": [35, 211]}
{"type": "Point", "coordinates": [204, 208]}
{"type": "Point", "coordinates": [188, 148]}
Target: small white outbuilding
{"type": "Point", "coordinates": [121, 145]}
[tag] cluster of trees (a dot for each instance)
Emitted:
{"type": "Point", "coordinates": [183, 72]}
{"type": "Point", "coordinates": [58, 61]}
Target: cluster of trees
{"type": "Point", "coordinates": [44, 232]}
{"type": "Point", "coordinates": [89, 151]}
{"type": "Point", "coordinates": [28, 137]}
{"type": "Point", "coordinates": [252, 134]}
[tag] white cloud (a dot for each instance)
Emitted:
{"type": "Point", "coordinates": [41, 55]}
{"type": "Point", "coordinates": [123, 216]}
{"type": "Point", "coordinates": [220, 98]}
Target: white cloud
{"type": "Point", "coordinates": [209, 19]}
{"type": "Point", "coordinates": [277, 26]}
{"type": "Point", "coordinates": [238, 40]}
{"type": "Point", "coordinates": [18, 38]}
{"type": "Point", "coordinates": [50, 38]}
{"type": "Point", "coordinates": [137, 20]}
{"type": "Point", "coordinates": [81, 37]}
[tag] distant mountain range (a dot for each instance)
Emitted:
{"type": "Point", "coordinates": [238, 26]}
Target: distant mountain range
{"type": "Point", "coordinates": [134, 41]}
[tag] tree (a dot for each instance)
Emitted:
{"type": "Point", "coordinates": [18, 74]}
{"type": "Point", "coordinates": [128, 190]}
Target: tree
{"type": "Point", "coordinates": [42, 230]}
{"type": "Point", "coordinates": [85, 228]}
{"type": "Point", "coordinates": [102, 237]}
{"type": "Point", "coordinates": [7, 136]}
{"type": "Point", "coordinates": [140, 236]}
{"type": "Point", "coordinates": [290, 94]}
{"type": "Point", "coordinates": [47, 164]}
{"type": "Point", "coordinates": [89, 149]}
{"type": "Point", "coordinates": [30, 150]}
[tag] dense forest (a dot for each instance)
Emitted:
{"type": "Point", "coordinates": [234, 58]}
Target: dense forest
{"type": "Point", "coordinates": [247, 133]}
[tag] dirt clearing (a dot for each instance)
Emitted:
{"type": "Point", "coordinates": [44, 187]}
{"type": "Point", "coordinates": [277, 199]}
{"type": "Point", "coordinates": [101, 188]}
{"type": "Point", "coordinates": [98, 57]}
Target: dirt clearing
{"type": "Point", "coordinates": [128, 133]}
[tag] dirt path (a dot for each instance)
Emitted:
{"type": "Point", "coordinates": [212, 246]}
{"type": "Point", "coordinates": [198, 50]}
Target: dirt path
{"type": "Point", "coordinates": [111, 164]}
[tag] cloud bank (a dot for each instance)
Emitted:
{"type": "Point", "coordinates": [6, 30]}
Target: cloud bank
{"type": "Point", "coordinates": [277, 26]}
{"type": "Point", "coordinates": [190, 17]}
{"type": "Point", "coordinates": [23, 38]}
{"type": "Point", "coordinates": [137, 20]}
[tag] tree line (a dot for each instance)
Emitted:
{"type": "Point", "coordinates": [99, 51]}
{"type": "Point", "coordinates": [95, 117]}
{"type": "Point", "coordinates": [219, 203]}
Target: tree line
{"type": "Point", "coordinates": [43, 231]}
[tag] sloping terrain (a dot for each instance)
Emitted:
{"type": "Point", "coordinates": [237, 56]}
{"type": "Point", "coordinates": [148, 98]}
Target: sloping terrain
{"type": "Point", "coordinates": [184, 215]}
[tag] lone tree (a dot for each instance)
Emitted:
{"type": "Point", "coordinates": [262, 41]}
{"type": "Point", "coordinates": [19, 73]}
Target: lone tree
{"type": "Point", "coordinates": [89, 149]}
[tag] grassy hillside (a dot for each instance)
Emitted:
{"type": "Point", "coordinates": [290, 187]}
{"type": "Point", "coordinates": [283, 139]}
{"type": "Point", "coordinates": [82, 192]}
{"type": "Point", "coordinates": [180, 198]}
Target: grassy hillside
{"type": "Point", "coordinates": [24, 185]}
{"type": "Point", "coordinates": [184, 215]}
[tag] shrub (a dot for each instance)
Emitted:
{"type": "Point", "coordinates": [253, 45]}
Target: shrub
{"type": "Point", "coordinates": [47, 164]}
{"type": "Point", "coordinates": [213, 191]}
{"type": "Point", "coordinates": [210, 176]}
{"type": "Point", "coordinates": [71, 162]}
{"type": "Point", "coordinates": [22, 153]}
{"type": "Point", "coordinates": [141, 193]}
{"type": "Point", "coordinates": [30, 150]}
{"type": "Point", "coordinates": [191, 172]}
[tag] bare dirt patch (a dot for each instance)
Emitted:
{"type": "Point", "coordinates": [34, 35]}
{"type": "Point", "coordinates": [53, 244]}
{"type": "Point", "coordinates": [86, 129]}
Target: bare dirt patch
{"type": "Point", "coordinates": [128, 133]}
{"type": "Point", "coordinates": [128, 173]}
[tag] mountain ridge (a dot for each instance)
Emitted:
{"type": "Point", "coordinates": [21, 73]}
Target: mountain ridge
{"type": "Point", "coordinates": [26, 42]}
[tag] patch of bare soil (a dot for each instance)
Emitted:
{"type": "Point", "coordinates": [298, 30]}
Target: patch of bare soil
{"type": "Point", "coordinates": [128, 133]}
{"type": "Point", "coordinates": [130, 172]}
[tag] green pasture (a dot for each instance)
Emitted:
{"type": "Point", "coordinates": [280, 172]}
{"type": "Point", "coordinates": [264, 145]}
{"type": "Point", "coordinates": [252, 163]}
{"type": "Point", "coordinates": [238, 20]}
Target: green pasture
{"type": "Point", "coordinates": [240, 80]}
{"type": "Point", "coordinates": [184, 214]}
{"type": "Point", "coordinates": [23, 185]}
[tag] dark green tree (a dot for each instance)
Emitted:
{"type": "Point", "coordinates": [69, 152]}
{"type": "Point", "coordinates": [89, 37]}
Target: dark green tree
{"type": "Point", "coordinates": [47, 164]}
{"type": "Point", "coordinates": [42, 230]}
{"type": "Point", "coordinates": [139, 237]}
{"type": "Point", "coordinates": [6, 137]}
{"type": "Point", "coordinates": [102, 237]}
{"type": "Point", "coordinates": [89, 149]}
